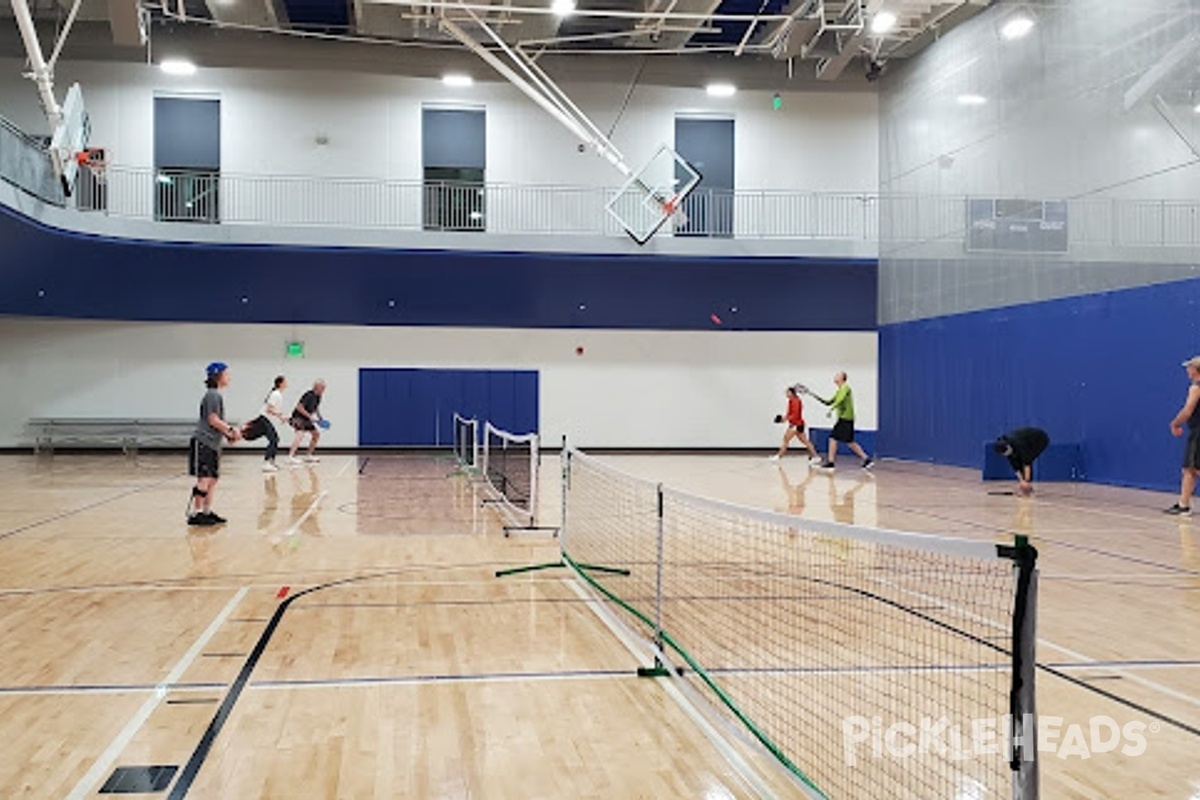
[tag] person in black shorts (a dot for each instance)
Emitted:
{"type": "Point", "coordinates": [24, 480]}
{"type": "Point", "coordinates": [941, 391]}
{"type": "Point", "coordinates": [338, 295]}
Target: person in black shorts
{"type": "Point", "coordinates": [1189, 415]}
{"type": "Point", "coordinates": [305, 418]}
{"type": "Point", "coordinates": [204, 457]}
{"type": "Point", "coordinates": [1022, 447]}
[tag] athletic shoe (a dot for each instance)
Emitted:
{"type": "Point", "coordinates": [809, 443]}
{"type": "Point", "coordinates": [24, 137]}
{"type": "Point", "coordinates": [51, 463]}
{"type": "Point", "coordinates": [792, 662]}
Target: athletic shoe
{"type": "Point", "coordinates": [294, 462]}
{"type": "Point", "coordinates": [214, 519]}
{"type": "Point", "coordinates": [867, 464]}
{"type": "Point", "coordinates": [825, 465]}
{"type": "Point", "coordinates": [312, 459]}
{"type": "Point", "coordinates": [1178, 510]}
{"type": "Point", "coordinates": [774, 457]}
{"type": "Point", "coordinates": [269, 466]}
{"type": "Point", "coordinates": [200, 519]}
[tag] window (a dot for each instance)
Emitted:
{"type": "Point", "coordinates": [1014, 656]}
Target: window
{"type": "Point", "coordinates": [187, 159]}
{"type": "Point", "coordinates": [454, 157]}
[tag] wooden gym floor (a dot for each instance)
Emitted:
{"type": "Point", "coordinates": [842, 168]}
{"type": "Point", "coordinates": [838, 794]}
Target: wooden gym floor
{"type": "Point", "coordinates": [343, 635]}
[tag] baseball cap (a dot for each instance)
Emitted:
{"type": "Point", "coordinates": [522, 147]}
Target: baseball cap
{"type": "Point", "coordinates": [216, 368]}
{"type": "Point", "coordinates": [1194, 361]}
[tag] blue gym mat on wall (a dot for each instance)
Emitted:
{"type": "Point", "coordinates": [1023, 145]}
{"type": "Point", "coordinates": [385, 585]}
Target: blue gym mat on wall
{"type": "Point", "coordinates": [1101, 371]}
{"type": "Point", "coordinates": [405, 407]}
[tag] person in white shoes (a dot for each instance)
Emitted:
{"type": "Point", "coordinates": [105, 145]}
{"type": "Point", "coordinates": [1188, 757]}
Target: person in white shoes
{"type": "Point", "coordinates": [263, 425]}
{"type": "Point", "coordinates": [306, 417]}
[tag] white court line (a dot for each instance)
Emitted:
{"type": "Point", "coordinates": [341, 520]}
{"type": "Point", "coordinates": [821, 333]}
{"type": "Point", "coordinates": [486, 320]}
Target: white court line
{"type": "Point", "coordinates": [719, 742]}
{"type": "Point", "coordinates": [106, 759]}
{"type": "Point", "coordinates": [1042, 642]}
{"type": "Point", "coordinates": [346, 466]}
{"type": "Point", "coordinates": [425, 680]}
{"type": "Point", "coordinates": [307, 513]}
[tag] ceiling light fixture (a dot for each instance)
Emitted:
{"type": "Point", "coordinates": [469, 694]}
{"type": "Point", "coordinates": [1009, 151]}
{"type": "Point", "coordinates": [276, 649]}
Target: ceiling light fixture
{"type": "Point", "coordinates": [178, 66]}
{"type": "Point", "coordinates": [458, 80]}
{"type": "Point", "coordinates": [883, 22]}
{"type": "Point", "coordinates": [1016, 28]}
{"type": "Point", "coordinates": [971, 100]}
{"type": "Point", "coordinates": [562, 8]}
{"type": "Point", "coordinates": [721, 90]}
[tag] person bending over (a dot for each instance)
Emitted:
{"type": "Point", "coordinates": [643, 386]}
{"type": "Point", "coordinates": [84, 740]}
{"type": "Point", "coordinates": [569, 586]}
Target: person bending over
{"type": "Point", "coordinates": [1022, 447]}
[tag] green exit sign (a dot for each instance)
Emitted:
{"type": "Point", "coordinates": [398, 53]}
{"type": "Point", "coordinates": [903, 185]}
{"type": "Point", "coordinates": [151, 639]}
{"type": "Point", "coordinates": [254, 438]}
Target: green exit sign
{"type": "Point", "coordinates": [295, 349]}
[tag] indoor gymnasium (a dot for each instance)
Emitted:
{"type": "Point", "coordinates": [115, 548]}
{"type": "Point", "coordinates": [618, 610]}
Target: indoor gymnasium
{"type": "Point", "coordinates": [600, 399]}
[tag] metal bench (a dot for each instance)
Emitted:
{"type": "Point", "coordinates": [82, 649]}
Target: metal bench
{"type": "Point", "coordinates": [128, 434]}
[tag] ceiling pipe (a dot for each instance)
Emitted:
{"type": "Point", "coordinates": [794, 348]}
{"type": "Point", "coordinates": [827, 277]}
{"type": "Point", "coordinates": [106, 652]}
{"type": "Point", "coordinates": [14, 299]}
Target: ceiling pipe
{"type": "Point", "coordinates": [39, 71]}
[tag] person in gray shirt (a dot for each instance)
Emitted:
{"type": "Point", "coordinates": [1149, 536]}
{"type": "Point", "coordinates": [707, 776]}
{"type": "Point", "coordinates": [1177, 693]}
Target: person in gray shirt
{"type": "Point", "coordinates": [204, 456]}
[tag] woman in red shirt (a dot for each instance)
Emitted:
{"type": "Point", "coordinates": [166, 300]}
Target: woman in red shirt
{"type": "Point", "coordinates": [795, 429]}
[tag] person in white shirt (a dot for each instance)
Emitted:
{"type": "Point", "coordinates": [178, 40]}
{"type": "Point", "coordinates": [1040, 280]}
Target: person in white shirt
{"type": "Point", "coordinates": [262, 425]}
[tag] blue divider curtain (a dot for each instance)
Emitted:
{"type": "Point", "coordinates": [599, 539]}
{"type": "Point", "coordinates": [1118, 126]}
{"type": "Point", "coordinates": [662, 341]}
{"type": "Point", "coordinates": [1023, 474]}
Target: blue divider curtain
{"type": "Point", "coordinates": [402, 407]}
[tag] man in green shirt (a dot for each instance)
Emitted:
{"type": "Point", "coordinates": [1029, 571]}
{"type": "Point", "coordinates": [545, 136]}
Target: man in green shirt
{"type": "Point", "coordinates": [842, 404]}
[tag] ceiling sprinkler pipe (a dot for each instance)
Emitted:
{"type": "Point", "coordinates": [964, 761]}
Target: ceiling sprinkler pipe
{"type": "Point", "coordinates": [39, 71]}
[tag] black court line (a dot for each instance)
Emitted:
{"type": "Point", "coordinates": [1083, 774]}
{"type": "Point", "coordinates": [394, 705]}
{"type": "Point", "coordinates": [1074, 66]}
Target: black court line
{"type": "Point", "coordinates": [362, 464]}
{"type": "Point", "coordinates": [259, 577]}
{"type": "Point", "coordinates": [194, 701]}
{"type": "Point", "coordinates": [188, 775]}
{"type": "Point", "coordinates": [89, 507]}
{"type": "Point", "coordinates": [222, 655]}
{"type": "Point", "coordinates": [1044, 539]}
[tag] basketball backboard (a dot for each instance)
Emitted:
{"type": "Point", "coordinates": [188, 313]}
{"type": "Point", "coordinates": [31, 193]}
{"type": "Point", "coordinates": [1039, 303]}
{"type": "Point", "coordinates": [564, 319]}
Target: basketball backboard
{"type": "Point", "coordinates": [653, 194]}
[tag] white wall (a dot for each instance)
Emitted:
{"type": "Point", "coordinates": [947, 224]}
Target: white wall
{"type": "Point", "coordinates": [628, 389]}
{"type": "Point", "coordinates": [270, 120]}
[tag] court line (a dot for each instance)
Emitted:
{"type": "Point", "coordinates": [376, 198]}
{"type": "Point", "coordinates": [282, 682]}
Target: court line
{"type": "Point", "coordinates": [63, 515]}
{"type": "Point", "coordinates": [307, 513]}
{"type": "Point", "coordinates": [346, 466]}
{"type": "Point", "coordinates": [719, 743]}
{"type": "Point", "coordinates": [425, 680]}
{"type": "Point", "coordinates": [104, 688]}
{"type": "Point", "coordinates": [200, 754]}
{"type": "Point", "coordinates": [122, 740]}
{"type": "Point", "coordinates": [1044, 539]}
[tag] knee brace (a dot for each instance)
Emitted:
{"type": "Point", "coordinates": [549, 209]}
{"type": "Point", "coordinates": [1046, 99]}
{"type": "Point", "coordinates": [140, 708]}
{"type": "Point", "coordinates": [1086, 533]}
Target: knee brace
{"type": "Point", "coordinates": [198, 492]}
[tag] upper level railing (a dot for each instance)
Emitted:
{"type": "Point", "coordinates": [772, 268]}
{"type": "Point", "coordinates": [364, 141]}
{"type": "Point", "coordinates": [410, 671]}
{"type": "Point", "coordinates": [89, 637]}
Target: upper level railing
{"type": "Point", "coordinates": [498, 208]}
{"type": "Point", "coordinates": [25, 164]}
{"type": "Point", "coordinates": [899, 223]}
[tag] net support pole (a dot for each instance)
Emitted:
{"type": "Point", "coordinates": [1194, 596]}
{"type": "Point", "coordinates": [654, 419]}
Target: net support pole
{"type": "Point", "coordinates": [1023, 752]}
{"type": "Point", "coordinates": [659, 670]}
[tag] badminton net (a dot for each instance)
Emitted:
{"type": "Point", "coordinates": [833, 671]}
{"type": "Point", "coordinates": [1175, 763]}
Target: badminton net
{"type": "Point", "coordinates": [510, 465]}
{"type": "Point", "coordinates": [839, 649]}
{"type": "Point", "coordinates": [466, 442]}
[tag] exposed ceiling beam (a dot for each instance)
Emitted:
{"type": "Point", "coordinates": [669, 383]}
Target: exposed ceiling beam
{"type": "Point", "coordinates": [126, 21]}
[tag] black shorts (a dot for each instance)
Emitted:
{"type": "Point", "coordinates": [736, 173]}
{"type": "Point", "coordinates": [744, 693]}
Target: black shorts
{"type": "Point", "coordinates": [843, 431]}
{"type": "Point", "coordinates": [302, 424]}
{"type": "Point", "coordinates": [256, 429]}
{"type": "Point", "coordinates": [203, 461]}
{"type": "Point", "coordinates": [796, 428]}
{"type": "Point", "coordinates": [1191, 450]}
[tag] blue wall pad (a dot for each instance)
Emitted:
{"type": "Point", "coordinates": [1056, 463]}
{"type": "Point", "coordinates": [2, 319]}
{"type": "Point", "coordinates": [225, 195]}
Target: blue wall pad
{"type": "Point", "coordinates": [48, 272]}
{"type": "Point", "coordinates": [416, 407]}
{"type": "Point", "coordinates": [1059, 462]}
{"type": "Point", "coordinates": [1100, 370]}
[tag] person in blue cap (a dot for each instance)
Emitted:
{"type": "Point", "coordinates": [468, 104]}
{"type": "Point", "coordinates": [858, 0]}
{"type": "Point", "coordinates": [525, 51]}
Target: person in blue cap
{"type": "Point", "coordinates": [204, 459]}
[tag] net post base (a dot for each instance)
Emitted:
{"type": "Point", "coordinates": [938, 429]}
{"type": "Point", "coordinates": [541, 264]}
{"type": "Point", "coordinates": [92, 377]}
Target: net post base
{"type": "Point", "coordinates": [607, 570]}
{"type": "Point", "coordinates": [504, 573]}
{"type": "Point", "coordinates": [657, 671]}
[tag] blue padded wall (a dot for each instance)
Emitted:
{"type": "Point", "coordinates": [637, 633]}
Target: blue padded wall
{"type": "Point", "coordinates": [1102, 371]}
{"type": "Point", "coordinates": [47, 272]}
{"type": "Point", "coordinates": [416, 407]}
